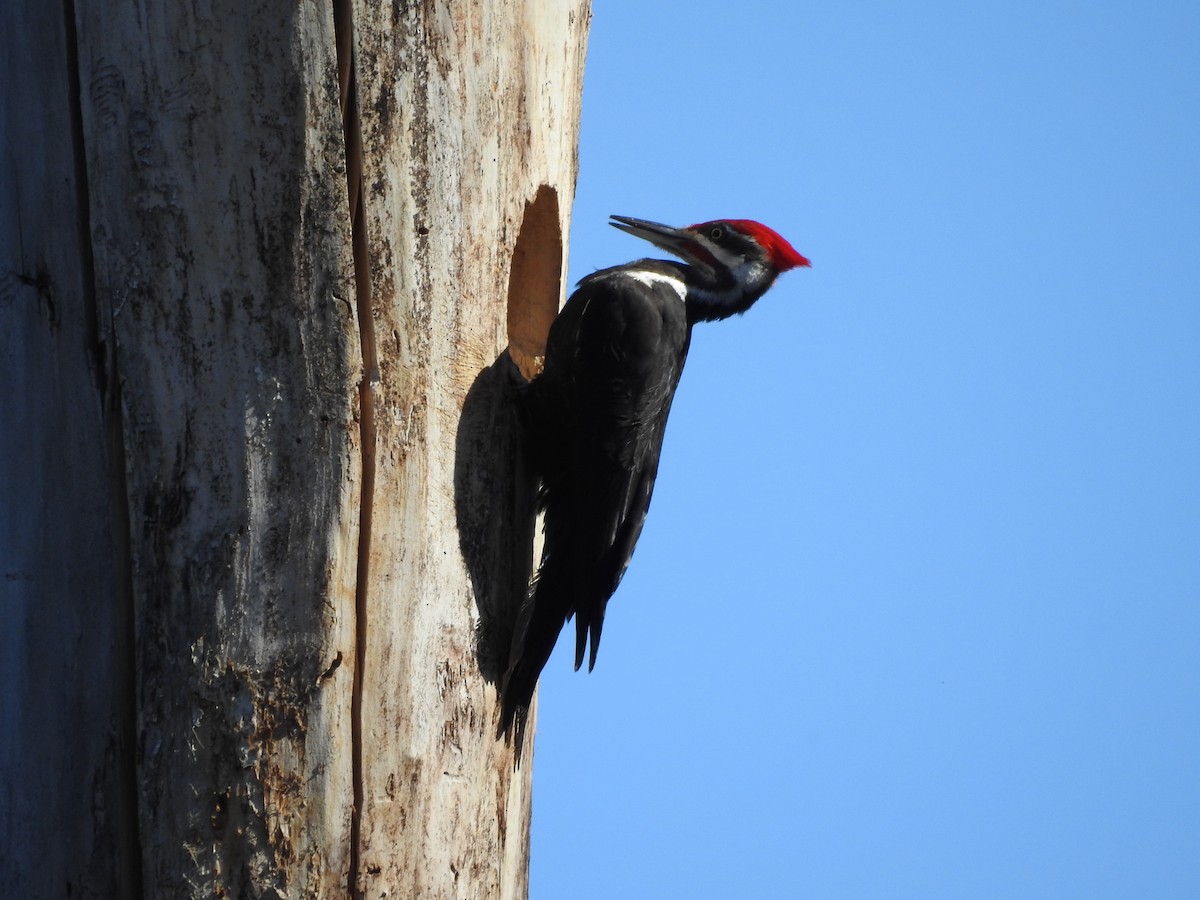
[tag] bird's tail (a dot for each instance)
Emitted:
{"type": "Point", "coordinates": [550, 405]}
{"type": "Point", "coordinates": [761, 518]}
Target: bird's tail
{"type": "Point", "coordinates": [589, 618]}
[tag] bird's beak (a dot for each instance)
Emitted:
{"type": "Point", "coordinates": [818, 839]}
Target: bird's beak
{"type": "Point", "coordinates": [674, 240]}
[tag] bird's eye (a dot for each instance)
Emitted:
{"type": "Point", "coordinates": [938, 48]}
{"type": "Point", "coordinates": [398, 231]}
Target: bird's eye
{"type": "Point", "coordinates": [716, 234]}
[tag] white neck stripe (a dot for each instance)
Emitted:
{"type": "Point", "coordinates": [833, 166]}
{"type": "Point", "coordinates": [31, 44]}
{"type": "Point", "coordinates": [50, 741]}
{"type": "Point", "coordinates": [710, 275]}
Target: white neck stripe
{"type": "Point", "coordinates": [652, 278]}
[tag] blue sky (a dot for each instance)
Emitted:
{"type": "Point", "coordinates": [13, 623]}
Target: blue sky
{"type": "Point", "coordinates": [917, 608]}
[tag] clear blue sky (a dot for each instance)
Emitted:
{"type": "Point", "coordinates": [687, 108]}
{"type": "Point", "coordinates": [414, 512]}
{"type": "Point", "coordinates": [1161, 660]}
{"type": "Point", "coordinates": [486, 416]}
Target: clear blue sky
{"type": "Point", "coordinates": [917, 609]}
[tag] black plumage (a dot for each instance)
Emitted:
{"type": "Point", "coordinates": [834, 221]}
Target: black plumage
{"type": "Point", "coordinates": [595, 418]}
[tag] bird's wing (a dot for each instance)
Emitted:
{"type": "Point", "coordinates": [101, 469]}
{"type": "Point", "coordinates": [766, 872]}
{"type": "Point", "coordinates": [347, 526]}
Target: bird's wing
{"type": "Point", "coordinates": [629, 345]}
{"type": "Point", "coordinates": [595, 418]}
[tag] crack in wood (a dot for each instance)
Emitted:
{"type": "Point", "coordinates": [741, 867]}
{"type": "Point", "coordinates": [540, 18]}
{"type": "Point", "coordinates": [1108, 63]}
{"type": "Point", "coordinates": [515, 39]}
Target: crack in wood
{"type": "Point", "coordinates": [343, 19]}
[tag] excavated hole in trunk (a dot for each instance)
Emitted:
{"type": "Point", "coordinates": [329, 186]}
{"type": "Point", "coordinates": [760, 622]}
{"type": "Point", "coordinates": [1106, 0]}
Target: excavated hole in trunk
{"type": "Point", "coordinates": [535, 281]}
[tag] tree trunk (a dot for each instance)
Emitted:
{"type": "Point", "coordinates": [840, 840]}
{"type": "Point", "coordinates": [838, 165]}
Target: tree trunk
{"type": "Point", "coordinates": [264, 523]}
{"type": "Point", "coordinates": [68, 804]}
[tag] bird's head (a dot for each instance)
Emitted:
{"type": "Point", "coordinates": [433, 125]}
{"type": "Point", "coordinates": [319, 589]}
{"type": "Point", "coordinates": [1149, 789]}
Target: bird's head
{"type": "Point", "coordinates": [732, 262]}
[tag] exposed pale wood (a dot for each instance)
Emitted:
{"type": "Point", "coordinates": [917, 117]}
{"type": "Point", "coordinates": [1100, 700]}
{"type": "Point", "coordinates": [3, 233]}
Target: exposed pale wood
{"type": "Point", "coordinates": [469, 117]}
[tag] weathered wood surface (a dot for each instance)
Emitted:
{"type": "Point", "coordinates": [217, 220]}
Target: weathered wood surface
{"type": "Point", "coordinates": [219, 229]}
{"type": "Point", "coordinates": [194, 456]}
{"type": "Point", "coordinates": [469, 119]}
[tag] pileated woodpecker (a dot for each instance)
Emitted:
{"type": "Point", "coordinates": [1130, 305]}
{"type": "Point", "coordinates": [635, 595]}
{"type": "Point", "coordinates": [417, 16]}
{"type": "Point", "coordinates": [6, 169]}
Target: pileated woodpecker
{"type": "Point", "coordinates": [595, 417]}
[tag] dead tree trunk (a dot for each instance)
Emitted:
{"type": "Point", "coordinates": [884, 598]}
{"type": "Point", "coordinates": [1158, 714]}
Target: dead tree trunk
{"type": "Point", "coordinates": [262, 522]}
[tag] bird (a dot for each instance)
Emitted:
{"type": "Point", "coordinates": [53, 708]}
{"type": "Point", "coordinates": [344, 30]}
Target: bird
{"type": "Point", "coordinates": [594, 419]}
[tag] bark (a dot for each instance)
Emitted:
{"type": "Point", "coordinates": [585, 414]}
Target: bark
{"type": "Point", "coordinates": [266, 524]}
